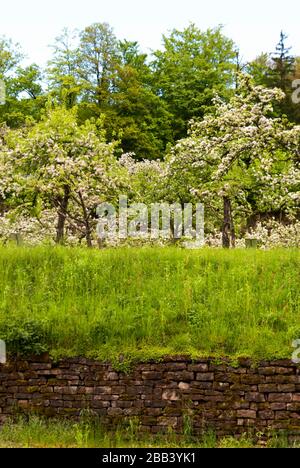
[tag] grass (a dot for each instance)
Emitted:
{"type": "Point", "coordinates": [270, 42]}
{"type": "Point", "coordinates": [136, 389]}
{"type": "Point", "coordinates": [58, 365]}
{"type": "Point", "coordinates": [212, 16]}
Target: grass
{"type": "Point", "coordinates": [42, 433]}
{"type": "Point", "coordinates": [146, 303]}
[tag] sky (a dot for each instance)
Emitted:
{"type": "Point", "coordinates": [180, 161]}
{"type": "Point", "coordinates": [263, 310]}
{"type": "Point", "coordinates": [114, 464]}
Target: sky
{"type": "Point", "coordinates": [254, 25]}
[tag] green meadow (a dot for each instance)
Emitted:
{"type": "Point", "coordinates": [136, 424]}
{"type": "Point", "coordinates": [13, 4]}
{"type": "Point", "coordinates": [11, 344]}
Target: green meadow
{"type": "Point", "coordinates": [146, 303]}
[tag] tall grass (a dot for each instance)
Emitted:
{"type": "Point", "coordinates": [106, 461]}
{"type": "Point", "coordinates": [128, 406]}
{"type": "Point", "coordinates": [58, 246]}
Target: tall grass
{"type": "Point", "coordinates": [52, 433]}
{"type": "Point", "coordinates": [149, 302]}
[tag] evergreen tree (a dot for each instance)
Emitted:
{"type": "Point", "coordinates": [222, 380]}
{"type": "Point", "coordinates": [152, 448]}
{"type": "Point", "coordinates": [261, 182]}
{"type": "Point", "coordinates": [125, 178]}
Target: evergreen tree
{"type": "Point", "coordinates": [278, 70]}
{"type": "Point", "coordinates": [283, 66]}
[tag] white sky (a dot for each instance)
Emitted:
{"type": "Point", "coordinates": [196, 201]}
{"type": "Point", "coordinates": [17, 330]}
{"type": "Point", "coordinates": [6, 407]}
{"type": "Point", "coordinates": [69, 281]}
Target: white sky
{"type": "Point", "coordinates": [254, 25]}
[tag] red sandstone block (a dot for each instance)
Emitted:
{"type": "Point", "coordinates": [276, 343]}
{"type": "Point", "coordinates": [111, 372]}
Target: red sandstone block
{"type": "Point", "coordinates": [41, 381]}
{"type": "Point", "coordinates": [118, 389]}
{"type": "Point", "coordinates": [250, 422]}
{"type": "Point", "coordinates": [152, 412]}
{"type": "Point", "coordinates": [246, 414]}
{"type": "Point", "coordinates": [174, 366]}
{"type": "Point", "coordinates": [252, 379]}
{"type": "Point", "coordinates": [211, 398]}
{"type": "Point", "coordinates": [102, 390]}
{"type": "Point", "coordinates": [115, 412]}
{"type": "Point", "coordinates": [22, 396]}
{"type": "Point", "coordinates": [23, 403]}
{"type": "Point", "coordinates": [46, 389]}
{"type": "Point", "coordinates": [295, 406]}
{"type": "Point", "coordinates": [221, 386]}
{"type": "Point", "coordinates": [40, 366]}
{"type": "Point", "coordinates": [184, 387]}
{"type": "Point", "coordinates": [171, 395]}
{"type": "Point", "coordinates": [228, 415]}
{"type": "Point", "coordinates": [30, 375]}
{"type": "Point", "coordinates": [283, 379]}
{"type": "Point", "coordinates": [123, 404]}
{"type": "Point", "coordinates": [218, 368]}
{"type": "Point", "coordinates": [198, 367]}
{"type": "Point", "coordinates": [255, 397]}
{"type": "Point", "coordinates": [237, 387]}
{"type": "Point", "coordinates": [286, 397]}
{"type": "Point", "coordinates": [72, 377]}
{"type": "Point", "coordinates": [282, 363]}
{"type": "Point", "coordinates": [155, 404]}
{"type": "Point", "coordinates": [86, 390]}
{"type": "Point", "coordinates": [205, 377]}
{"type": "Point", "coordinates": [266, 370]}
{"type": "Point", "coordinates": [236, 370]}
{"type": "Point", "coordinates": [101, 404]}
{"type": "Point", "coordinates": [8, 389]}
{"type": "Point", "coordinates": [278, 406]}
{"type": "Point", "coordinates": [268, 388]}
{"type": "Point", "coordinates": [196, 397]}
{"type": "Point", "coordinates": [145, 367]}
{"type": "Point", "coordinates": [183, 376]}
{"type": "Point", "coordinates": [276, 370]}
{"type": "Point", "coordinates": [197, 386]}
{"type": "Point", "coordinates": [152, 375]}
{"type": "Point", "coordinates": [168, 422]}
{"type": "Point", "coordinates": [47, 373]}
{"type": "Point", "coordinates": [230, 378]}
{"type": "Point", "coordinates": [266, 414]}
{"type": "Point", "coordinates": [240, 405]}
{"type": "Point", "coordinates": [131, 412]}
{"type": "Point", "coordinates": [286, 388]}
{"type": "Point", "coordinates": [11, 376]}
{"type": "Point", "coordinates": [282, 415]}
{"type": "Point", "coordinates": [105, 397]}
{"type": "Point", "coordinates": [56, 403]}
{"type": "Point", "coordinates": [70, 390]}
{"type": "Point", "coordinates": [111, 376]}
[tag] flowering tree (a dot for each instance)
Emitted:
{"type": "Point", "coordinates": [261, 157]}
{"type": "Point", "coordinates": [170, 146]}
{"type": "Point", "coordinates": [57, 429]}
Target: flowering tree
{"type": "Point", "coordinates": [59, 164]}
{"type": "Point", "coordinates": [146, 179]}
{"type": "Point", "coordinates": [241, 155]}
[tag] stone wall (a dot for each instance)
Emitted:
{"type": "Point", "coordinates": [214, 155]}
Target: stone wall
{"type": "Point", "coordinates": [208, 395]}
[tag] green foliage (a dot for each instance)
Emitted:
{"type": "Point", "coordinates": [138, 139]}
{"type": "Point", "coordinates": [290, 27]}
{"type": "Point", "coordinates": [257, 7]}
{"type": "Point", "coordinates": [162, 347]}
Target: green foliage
{"type": "Point", "coordinates": [10, 56]}
{"type": "Point", "coordinates": [102, 101]}
{"type": "Point", "coordinates": [24, 94]}
{"type": "Point", "coordinates": [146, 303]}
{"type": "Point", "coordinates": [24, 336]}
{"type": "Point", "coordinates": [59, 164]}
{"type": "Point", "coordinates": [192, 68]}
{"type": "Point", "coordinates": [62, 72]}
{"type": "Point", "coordinates": [278, 70]}
{"type": "Point", "coordinates": [239, 155]}
{"type": "Point", "coordinates": [147, 101]}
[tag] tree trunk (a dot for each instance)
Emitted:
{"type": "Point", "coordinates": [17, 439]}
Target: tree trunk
{"type": "Point", "coordinates": [86, 217]}
{"type": "Point", "coordinates": [88, 235]}
{"type": "Point", "coordinates": [228, 233]}
{"type": "Point", "coordinates": [232, 230]}
{"type": "Point", "coordinates": [62, 216]}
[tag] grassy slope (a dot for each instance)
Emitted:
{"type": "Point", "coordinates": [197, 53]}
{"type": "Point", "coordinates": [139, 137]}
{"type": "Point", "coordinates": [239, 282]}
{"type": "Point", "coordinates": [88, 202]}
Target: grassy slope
{"type": "Point", "coordinates": [149, 302]}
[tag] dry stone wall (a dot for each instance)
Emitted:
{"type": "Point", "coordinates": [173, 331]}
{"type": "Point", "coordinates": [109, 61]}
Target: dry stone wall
{"type": "Point", "coordinates": [211, 396]}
